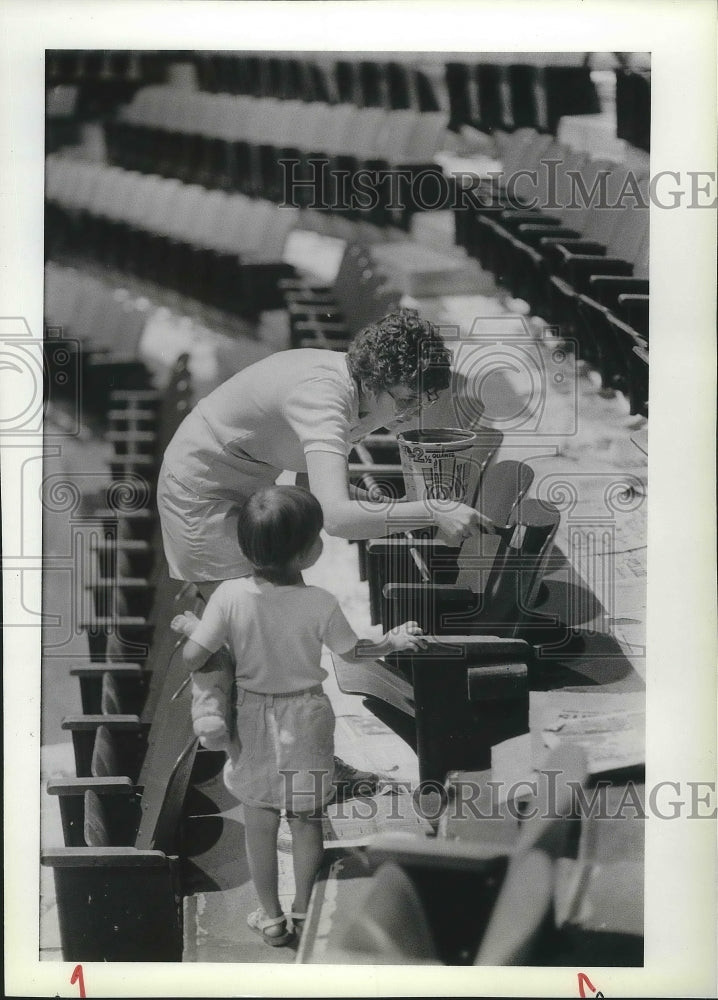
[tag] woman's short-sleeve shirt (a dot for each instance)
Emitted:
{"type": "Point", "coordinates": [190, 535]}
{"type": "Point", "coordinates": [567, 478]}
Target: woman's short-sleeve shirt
{"type": "Point", "coordinates": [265, 419]}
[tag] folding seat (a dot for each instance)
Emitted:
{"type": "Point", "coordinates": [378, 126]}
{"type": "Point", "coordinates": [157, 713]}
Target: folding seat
{"type": "Point", "coordinates": [548, 262]}
{"type": "Point", "coordinates": [61, 292]}
{"type": "Point", "coordinates": [107, 745]}
{"type": "Point", "coordinates": [56, 221]}
{"type": "Point", "coordinates": [424, 92]}
{"type": "Point", "coordinates": [624, 255]}
{"type": "Point", "coordinates": [148, 219]}
{"type": "Point", "coordinates": [625, 346]}
{"type": "Point", "coordinates": [332, 135]}
{"type": "Point", "coordinates": [69, 187]}
{"type": "Point", "coordinates": [183, 268]}
{"type": "Point", "coordinates": [425, 140]}
{"type": "Point", "coordinates": [217, 72]}
{"type": "Point", "coordinates": [123, 902]}
{"type": "Point", "coordinates": [169, 240]}
{"type": "Point", "coordinates": [155, 141]}
{"type": "Point", "coordinates": [222, 73]}
{"type": "Point", "coordinates": [248, 133]}
{"type": "Point", "coordinates": [220, 127]}
{"type": "Point", "coordinates": [198, 149]}
{"type": "Point", "coordinates": [400, 85]}
{"type": "Point", "coordinates": [62, 66]}
{"type": "Point", "coordinates": [103, 215]}
{"type": "Point", "coordinates": [395, 145]}
{"type": "Point", "coordinates": [567, 90]}
{"type": "Point", "coordinates": [346, 73]}
{"type": "Point", "coordinates": [362, 150]}
{"type": "Point", "coordinates": [478, 96]}
{"type": "Point", "coordinates": [262, 267]}
{"type": "Point", "coordinates": [204, 246]}
{"type": "Point", "coordinates": [509, 238]}
{"type": "Point", "coordinates": [292, 80]}
{"type": "Point", "coordinates": [526, 187]}
{"type": "Point", "coordinates": [226, 128]}
{"type": "Point", "coordinates": [456, 78]}
{"type": "Point", "coordinates": [112, 688]}
{"type": "Point", "coordinates": [319, 84]}
{"type": "Point", "coordinates": [230, 237]}
{"type": "Point", "coordinates": [488, 98]}
{"type": "Point", "coordinates": [486, 196]}
{"type": "Point", "coordinates": [419, 557]}
{"type": "Point", "coordinates": [133, 137]}
{"type": "Point", "coordinates": [295, 138]}
{"type": "Point", "coordinates": [277, 139]}
{"type": "Point", "coordinates": [525, 108]}
{"type": "Point", "coordinates": [633, 106]}
{"type": "Point", "coordinates": [506, 606]}
{"type": "Point", "coordinates": [542, 94]}
{"type": "Point", "coordinates": [186, 117]}
{"type": "Point", "coordinates": [487, 896]}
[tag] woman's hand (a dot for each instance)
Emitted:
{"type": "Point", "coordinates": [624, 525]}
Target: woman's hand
{"type": "Point", "coordinates": [406, 636]}
{"type": "Point", "coordinates": [458, 521]}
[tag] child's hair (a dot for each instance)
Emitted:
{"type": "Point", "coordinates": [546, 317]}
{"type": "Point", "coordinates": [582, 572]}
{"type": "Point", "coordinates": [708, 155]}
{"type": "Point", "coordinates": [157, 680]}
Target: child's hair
{"type": "Point", "coordinates": [401, 349]}
{"type": "Point", "coordinates": [277, 524]}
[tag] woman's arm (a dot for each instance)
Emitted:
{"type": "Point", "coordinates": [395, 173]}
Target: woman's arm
{"type": "Point", "coordinates": [355, 492]}
{"type": "Point", "coordinates": [363, 518]}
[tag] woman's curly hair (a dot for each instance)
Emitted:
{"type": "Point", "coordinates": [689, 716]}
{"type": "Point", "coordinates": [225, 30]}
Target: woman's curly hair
{"type": "Point", "coordinates": [400, 349]}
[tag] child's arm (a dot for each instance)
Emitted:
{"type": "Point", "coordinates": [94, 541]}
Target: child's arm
{"type": "Point", "coordinates": [210, 694]}
{"type": "Point", "coordinates": [404, 637]}
{"type": "Point", "coordinates": [194, 656]}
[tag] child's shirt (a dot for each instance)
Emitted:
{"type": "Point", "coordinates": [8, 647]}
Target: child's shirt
{"type": "Point", "coordinates": [275, 633]}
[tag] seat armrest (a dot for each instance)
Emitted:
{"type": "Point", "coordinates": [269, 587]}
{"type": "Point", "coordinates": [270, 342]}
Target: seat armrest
{"type": "Point", "coordinates": [103, 786]}
{"type": "Point", "coordinates": [86, 723]}
{"type": "Point", "coordinates": [116, 669]}
{"type": "Point", "coordinates": [103, 857]}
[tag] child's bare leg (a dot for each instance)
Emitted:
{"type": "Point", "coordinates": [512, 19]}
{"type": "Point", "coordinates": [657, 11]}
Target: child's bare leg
{"type": "Point", "coordinates": [261, 827]}
{"type": "Point", "coordinates": [307, 854]}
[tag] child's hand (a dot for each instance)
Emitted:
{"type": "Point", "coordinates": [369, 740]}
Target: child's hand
{"type": "Point", "coordinates": [212, 732]}
{"type": "Point", "coordinates": [184, 624]}
{"type": "Point", "coordinates": [406, 636]}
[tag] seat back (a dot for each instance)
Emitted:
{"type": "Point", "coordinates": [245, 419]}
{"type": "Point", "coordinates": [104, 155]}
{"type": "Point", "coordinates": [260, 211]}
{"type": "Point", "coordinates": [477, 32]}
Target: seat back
{"type": "Point", "coordinates": [95, 828]}
{"type": "Point", "coordinates": [163, 799]}
{"type": "Point", "coordinates": [501, 488]}
{"type": "Point", "coordinates": [105, 761]}
{"type": "Point", "coordinates": [516, 574]}
{"type": "Point", "coordinates": [389, 924]}
{"type": "Point", "coordinates": [524, 907]}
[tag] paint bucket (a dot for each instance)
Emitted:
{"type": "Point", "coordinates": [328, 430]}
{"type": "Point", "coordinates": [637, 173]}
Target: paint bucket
{"type": "Point", "coordinates": [439, 464]}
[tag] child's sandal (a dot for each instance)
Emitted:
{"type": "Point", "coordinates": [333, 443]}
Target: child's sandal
{"type": "Point", "coordinates": [272, 929]}
{"type": "Point", "coordinates": [297, 923]}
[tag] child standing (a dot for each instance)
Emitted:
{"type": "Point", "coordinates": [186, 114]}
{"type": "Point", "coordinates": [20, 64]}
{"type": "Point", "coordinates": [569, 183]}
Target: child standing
{"type": "Point", "coordinates": [282, 757]}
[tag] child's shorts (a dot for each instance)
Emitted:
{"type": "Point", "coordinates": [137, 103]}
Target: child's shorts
{"type": "Point", "coordinates": [283, 754]}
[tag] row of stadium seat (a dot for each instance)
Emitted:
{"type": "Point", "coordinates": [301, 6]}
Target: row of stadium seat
{"type": "Point", "coordinates": [118, 873]}
{"type": "Point", "coordinates": [569, 234]}
{"type": "Point", "coordinates": [225, 249]}
{"type": "Point", "coordinates": [238, 143]}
